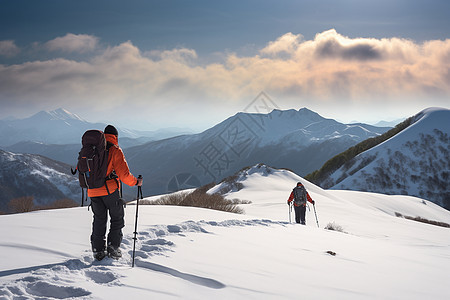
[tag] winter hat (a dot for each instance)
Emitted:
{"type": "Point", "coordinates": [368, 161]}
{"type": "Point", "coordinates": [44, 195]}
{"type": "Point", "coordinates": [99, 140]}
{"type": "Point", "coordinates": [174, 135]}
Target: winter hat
{"type": "Point", "coordinates": [299, 184]}
{"type": "Point", "coordinates": [111, 130]}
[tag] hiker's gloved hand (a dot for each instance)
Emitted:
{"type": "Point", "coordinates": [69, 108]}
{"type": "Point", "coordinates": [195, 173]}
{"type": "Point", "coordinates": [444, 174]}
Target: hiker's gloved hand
{"type": "Point", "coordinates": [139, 181]}
{"type": "Point", "coordinates": [313, 202]}
{"type": "Point", "coordinates": [288, 203]}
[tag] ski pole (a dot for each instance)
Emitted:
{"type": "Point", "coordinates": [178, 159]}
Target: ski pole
{"type": "Point", "coordinates": [139, 195]}
{"type": "Point", "coordinates": [317, 221]}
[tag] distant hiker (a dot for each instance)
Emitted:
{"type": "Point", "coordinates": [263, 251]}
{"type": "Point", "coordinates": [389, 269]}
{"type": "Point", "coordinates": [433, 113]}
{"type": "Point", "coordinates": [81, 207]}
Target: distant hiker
{"type": "Point", "coordinates": [107, 198]}
{"type": "Point", "coordinates": [299, 195]}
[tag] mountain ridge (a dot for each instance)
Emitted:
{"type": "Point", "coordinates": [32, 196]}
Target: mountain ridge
{"type": "Point", "coordinates": [415, 162]}
{"type": "Point", "coordinates": [300, 140]}
{"type": "Point", "coordinates": [296, 139]}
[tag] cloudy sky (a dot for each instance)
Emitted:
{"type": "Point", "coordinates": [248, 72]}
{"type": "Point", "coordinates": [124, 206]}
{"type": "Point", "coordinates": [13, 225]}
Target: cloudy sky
{"type": "Point", "coordinates": [151, 64]}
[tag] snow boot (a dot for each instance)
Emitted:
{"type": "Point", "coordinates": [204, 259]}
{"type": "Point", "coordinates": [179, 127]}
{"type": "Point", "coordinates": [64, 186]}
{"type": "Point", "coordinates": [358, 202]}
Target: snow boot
{"type": "Point", "coordinates": [99, 255]}
{"type": "Point", "coordinates": [114, 252]}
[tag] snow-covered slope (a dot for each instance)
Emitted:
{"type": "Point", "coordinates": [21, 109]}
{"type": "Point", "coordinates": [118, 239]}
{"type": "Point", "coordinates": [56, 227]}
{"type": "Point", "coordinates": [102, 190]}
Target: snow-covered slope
{"type": "Point", "coordinates": [192, 253]}
{"type": "Point", "coordinates": [257, 180]}
{"type": "Point", "coordinates": [46, 180]}
{"type": "Point", "coordinates": [414, 162]}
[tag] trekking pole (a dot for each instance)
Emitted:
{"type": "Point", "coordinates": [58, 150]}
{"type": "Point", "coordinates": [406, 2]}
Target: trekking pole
{"type": "Point", "coordinates": [317, 221]}
{"type": "Point", "coordinates": [139, 195]}
{"type": "Point", "coordinates": [290, 210]}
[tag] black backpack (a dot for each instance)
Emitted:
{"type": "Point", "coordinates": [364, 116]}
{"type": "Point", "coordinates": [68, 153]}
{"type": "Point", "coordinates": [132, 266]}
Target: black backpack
{"type": "Point", "coordinates": [92, 160]}
{"type": "Point", "coordinates": [300, 195]}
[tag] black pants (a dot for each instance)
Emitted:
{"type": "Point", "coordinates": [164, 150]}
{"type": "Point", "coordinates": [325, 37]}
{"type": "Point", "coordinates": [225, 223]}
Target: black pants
{"type": "Point", "coordinates": [100, 208]}
{"type": "Point", "coordinates": [300, 212]}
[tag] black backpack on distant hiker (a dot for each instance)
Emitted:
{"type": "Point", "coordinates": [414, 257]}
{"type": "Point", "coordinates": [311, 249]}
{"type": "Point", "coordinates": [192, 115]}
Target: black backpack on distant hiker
{"type": "Point", "coordinates": [92, 160]}
{"type": "Point", "coordinates": [300, 195]}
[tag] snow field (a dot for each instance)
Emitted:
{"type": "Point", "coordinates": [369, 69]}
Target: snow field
{"type": "Point", "coordinates": [194, 253]}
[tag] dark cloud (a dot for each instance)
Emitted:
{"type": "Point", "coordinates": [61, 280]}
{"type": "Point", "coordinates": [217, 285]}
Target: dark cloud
{"type": "Point", "coordinates": [360, 51]}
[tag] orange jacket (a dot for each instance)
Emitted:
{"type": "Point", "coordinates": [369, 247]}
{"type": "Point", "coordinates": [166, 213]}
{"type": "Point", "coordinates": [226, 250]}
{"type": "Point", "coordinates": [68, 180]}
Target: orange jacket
{"type": "Point", "coordinates": [116, 162]}
{"type": "Point", "coordinates": [291, 198]}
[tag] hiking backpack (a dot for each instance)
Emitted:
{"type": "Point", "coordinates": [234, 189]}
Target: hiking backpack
{"type": "Point", "coordinates": [300, 195]}
{"type": "Point", "coordinates": [92, 160]}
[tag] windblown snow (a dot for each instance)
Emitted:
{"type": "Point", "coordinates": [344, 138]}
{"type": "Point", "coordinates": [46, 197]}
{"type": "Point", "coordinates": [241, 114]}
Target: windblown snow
{"type": "Point", "coordinates": [192, 253]}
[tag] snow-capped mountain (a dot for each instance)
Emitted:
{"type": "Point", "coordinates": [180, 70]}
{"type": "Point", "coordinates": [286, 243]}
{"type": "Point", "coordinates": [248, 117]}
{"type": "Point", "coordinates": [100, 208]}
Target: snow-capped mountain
{"type": "Point", "coordinates": [61, 114]}
{"type": "Point", "coordinates": [195, 253]}
{"type": "Point", "coordinates": [414, 162]}
{"type": "Point", "coordinates": [298, 140]}
{"type": "Point", "coordinates": [63, 127]}
{"type": "Point", "coordinates": [50, 127]}
{"type": "Point", "coordinates": [23, 175]}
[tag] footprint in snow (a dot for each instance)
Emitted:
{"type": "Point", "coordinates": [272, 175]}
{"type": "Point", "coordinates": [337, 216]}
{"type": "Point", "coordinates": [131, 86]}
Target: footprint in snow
{"type": "Point", "coordinates": [35, 288]}
{"type": "Point", "coordinates": [54, 281]}
{"type": "Point", "coordinates": [101, 277]}
{"type": "Point", "coordinates": [45, 289]}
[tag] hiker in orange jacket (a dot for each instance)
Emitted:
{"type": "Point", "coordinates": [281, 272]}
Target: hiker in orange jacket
{"type": "Point", "coordinates": [299, 195]}
{"type": "Point", "coordinates": [107, 198]}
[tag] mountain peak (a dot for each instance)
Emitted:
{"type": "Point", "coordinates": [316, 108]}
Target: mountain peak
{"type": "Point", "coordinates": [63, 114]}
{"type": "Point", "coordinates": [58, 114]}
{"type": "Point", "coordinates": [303, 112]}
{"type": "Point", "coordinates": [306, 110]}
{"type": "Point", "coordinates": [430, 111]}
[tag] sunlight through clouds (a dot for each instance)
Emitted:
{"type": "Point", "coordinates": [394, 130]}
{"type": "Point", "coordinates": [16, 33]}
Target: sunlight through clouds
{"type": "Point", "coordinates": [331, 68]}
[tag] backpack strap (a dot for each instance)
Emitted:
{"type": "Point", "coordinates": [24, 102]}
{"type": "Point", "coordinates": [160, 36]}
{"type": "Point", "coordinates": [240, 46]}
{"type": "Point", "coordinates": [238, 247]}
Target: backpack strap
{"type": "Point", "coordinates": [109, 177]}
{"type": "Point", "coordinates": [112, 175]}
{"type": "Point", "coordinates": [109, 145]}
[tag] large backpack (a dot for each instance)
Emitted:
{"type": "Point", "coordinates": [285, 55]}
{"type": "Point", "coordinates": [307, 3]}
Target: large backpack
{"type": "Point", "coordinates": [93, 160]}
{"type": "Point", "coordinates": [300, 195]}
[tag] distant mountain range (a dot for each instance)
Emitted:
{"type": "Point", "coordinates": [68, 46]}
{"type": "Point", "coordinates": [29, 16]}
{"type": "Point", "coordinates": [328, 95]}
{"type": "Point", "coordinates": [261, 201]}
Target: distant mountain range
{"type": "Point", "coordinates": [62, 127]}
{"type": "Point", "coordinates": [414, 162]}
{"type": "Point", "coordinates": [389, 123]}
{"type": "Point", "coordinates": [298, 140]}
